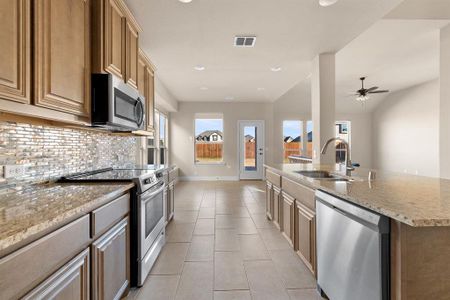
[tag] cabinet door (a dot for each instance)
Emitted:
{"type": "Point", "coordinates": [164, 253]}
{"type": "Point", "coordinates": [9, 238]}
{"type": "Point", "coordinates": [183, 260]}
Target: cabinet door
{"type": "Point", "coordinates": [269, 200]}
{"type": "Point", "coordinates": [62, 55]}
{"type": "Point", "coordinates": [172, 200]}
{"type": "Point", "coordinates": [141, 74]}
{"type": "Point", "coordinates": [277, 207]}
{"type": "Point", "coordinates": [288, 217]}
{"type": "Point", "coordinates": [15, 52]}
{"type": "Point", "coordinates": [131, 53]}
{"type": "Point", "coordinates": [114, 48]}
{"type": "Point", "coordinates": [71, 282]}
{"type": "Point", "coordinates": [305, 235]}
{"type": "Point", "coordinates": [150, 98]}
{"type": "Point", "coordinates": [110, 263]}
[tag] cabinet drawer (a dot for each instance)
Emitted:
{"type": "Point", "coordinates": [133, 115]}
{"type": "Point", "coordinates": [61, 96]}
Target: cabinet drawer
{"type": "Point", "coordinates": [300, 192]}
{"type": "Point", "coordinates": [274, 178]}
{"type": "Point", "coordinates": [173, 174]}
{"type": "Point", "coordinates": [26, 268]}
{"type": "Point", "coordinates": [109, 214]}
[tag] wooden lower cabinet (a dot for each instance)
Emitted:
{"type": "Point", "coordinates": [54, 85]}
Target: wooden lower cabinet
{"type": "Point", "coordinates": [277, 215]}
{"type": "Point", "coordinates": [110, 263]}
{"type": "Point", "coordinates": [71, 282]}
{"type": "Point", "coordinates": [305, 235]}
{"type": "Point", "coordinates": [288, 207]}
{"type": "Point", "coordinates": [269, 200]}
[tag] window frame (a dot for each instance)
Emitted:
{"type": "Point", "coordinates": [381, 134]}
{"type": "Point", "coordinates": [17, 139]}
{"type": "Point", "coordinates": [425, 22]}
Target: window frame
{"type": "Point", "coordinates": [209, 116]}
{"type": "Point", "coordinates": [156, 138]}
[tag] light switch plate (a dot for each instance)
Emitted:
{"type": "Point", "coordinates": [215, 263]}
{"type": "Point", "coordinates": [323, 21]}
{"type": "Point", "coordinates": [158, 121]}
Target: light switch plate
{"type": "Point", "coordinates": [11, 171]}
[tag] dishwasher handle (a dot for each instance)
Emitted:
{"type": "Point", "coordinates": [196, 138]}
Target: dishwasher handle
{"type": "Point", "coordinates": [362, 215]}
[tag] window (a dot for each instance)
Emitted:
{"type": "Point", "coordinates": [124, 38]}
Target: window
{"type": "Point", "coordinates": [309, 144]}
{"type": "Point", "coordinates": [163, 151]}
{"type": "Point", "coordinates": [208, 139]}
{"type": "Point", "coordinates": [343, 132]}
{"type": "Point", "coordinates": [151, 151]}
{"type": "Point", "coordinates": [292, 139]}
{"type": "Point", "coordinates": [157, 146]}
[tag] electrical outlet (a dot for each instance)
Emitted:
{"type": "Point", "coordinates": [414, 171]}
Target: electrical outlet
{"type": "Point", "coordinates": [11, 171]}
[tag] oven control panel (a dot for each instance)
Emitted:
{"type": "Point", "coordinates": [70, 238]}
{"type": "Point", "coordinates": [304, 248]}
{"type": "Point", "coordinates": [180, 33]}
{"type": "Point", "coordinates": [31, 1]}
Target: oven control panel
{"type": "Point", "coordinates": [148, 180]}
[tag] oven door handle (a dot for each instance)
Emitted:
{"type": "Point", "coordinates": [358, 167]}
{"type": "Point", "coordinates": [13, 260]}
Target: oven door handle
{"type": "Point", "coordinates": [148, 195]}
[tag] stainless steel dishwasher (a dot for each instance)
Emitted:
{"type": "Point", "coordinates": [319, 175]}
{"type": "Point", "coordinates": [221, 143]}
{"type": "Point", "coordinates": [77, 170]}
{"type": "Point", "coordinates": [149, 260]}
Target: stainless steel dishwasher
{"type": "Point", "coordinates": [352, 250]}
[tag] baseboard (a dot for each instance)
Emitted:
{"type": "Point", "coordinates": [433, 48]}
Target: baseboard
{"type": "Point", "coordinates": [209, 178]}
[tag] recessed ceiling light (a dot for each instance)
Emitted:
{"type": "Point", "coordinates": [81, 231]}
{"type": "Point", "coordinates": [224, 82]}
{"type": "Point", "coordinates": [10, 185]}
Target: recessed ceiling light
{"type": "Point", "coordinates": [229, 98]}
{"type": "Point", "coordinates": [185, 1]}
{"type": "Point", "coordinates": [326, 3]}
{"type": "Point", "coordinates": [203, 88]}
{"type": "Point", "coordinates": [275, 69]}
{"type": "Point", "coordinates": [199, 68]}
{"type": "Point", "coordinates": [260, 89]}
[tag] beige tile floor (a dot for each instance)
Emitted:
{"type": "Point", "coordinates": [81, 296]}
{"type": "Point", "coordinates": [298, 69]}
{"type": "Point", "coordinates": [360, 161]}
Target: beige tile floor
{"type": "Point", "coordinates": [221, 246]}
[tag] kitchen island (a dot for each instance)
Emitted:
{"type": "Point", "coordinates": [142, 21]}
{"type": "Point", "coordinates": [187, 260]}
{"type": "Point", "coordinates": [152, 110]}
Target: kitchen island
{"type": "Point", "coordinates": [419, 209]}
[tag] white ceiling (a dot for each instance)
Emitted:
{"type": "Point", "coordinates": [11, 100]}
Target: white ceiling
{"type": "Point", "coordinates": [393, 54]}
{"type": "Point", "coordinates": [289, 34]}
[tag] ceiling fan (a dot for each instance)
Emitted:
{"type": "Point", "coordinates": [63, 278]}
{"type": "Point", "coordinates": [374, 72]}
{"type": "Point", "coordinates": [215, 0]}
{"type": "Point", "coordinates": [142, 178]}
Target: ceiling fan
{"type": "Point", "coordinates": [363, 93]}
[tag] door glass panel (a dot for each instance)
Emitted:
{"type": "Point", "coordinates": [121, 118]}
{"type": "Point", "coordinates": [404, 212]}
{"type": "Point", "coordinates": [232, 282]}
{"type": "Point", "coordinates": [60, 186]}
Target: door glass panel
{"type": "Point", "coordinates": [250, 151]}
{"type": "Point", "coordinates": [153, 213]}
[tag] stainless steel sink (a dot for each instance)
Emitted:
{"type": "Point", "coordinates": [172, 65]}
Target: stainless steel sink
{"type": "Point", "coordinates": [322, 175]}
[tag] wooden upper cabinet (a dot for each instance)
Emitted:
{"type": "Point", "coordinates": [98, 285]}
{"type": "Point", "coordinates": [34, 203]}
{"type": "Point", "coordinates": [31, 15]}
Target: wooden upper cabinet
{"type": "Point", "coordinates": [141, 81]}
{"type": "Point", "coordinates": [146, 86]}
{"type": "Point", "coordinates": [114, 55]}
{"type": "Point", "coordinates": [115, 40]}
{"type": "Point", "coordinates": [131, 52]}
{"type": "Point", "coordinates": [15, 50]}
{"type": "Point", "coordinates": [62, 55]}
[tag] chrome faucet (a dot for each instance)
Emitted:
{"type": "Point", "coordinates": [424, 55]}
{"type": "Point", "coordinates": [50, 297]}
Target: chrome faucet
{"type": "Point", "coordinates": [348, 162]}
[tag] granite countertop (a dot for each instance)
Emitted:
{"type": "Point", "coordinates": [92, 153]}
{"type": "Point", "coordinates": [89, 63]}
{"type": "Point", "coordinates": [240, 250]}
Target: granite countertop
{"type": "Point", "coordinates": [26, 213]}
{"type": "Point", "coordinates": [413, 200]}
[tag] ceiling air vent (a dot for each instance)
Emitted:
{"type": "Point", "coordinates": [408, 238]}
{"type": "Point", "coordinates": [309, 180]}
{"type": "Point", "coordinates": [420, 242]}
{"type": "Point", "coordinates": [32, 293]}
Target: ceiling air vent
{"type": "Point", "coordinates": [244, 41]}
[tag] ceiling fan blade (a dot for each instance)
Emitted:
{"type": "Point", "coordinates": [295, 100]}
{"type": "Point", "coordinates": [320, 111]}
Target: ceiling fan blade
{"type": "Point", "coordinates": [379, 92]}
{"type": "Point", "coordinates": [372, 89]}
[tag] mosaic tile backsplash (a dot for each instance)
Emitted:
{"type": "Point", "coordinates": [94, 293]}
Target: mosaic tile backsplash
{"type": "Point", "coordinates": [50, 152]}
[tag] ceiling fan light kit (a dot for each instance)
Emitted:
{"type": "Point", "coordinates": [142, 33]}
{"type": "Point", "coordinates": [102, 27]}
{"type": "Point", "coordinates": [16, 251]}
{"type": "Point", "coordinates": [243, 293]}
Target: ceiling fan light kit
{"type": "Point", "coordinates": [363, 93]}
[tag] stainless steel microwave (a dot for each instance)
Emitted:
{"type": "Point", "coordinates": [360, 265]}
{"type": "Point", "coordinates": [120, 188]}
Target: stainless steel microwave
{"type": "Point", "coordinates": [116, 105]}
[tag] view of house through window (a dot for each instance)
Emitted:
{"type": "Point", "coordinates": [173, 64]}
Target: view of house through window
{"type": "Point", "coordinates": [292, 139]}
{"type": "Point", "coordinates": [250, 148]}
{"type": "Point", "coordinates": [209, 140]}
{"type": "Point", "coordinates": [293, 145]}
{"type": "Point", "coordinates": [343, 132]}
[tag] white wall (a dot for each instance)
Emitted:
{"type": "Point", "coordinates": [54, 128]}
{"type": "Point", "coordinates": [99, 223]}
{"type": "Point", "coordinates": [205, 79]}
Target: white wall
{"type": "Point", "coordinates": [182, 136]}
{"type": "Point", "coordinates": [444, 126]}
{"type": "Point", "coordinates": [406, 131]}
